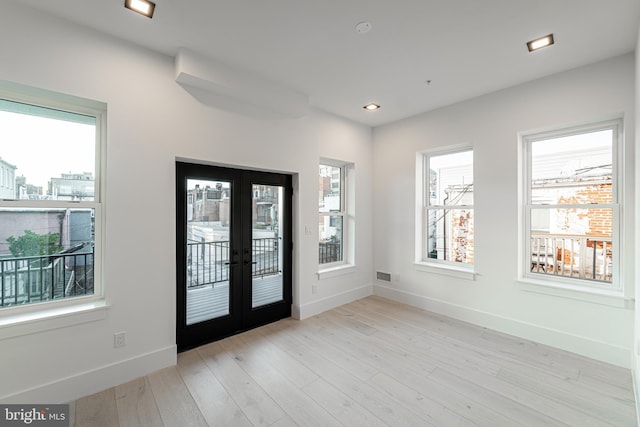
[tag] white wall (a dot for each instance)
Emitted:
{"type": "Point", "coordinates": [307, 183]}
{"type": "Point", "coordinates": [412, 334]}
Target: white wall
{"type": "Point", "coordinates": [636, 341]}
{"type": "Point", "coordinates": [491, 124]}
{"type": "Point", "coordinates": [151, 122]}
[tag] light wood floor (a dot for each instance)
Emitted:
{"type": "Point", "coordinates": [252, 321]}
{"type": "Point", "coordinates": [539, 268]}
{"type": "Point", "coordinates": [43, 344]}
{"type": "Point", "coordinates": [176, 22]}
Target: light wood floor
{"type": "Point", "coordinates": [372, 362]}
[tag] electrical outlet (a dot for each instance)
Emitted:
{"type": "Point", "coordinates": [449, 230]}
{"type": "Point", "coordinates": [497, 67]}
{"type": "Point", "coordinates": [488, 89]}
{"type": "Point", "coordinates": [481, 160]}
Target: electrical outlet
{"type": "Point", "coordinates": [314, 289]}
{"type": "Point", "coordinates": [119, 339]}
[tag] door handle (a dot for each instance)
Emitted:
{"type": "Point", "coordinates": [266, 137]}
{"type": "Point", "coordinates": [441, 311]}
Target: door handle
{"type": "Point", "coordinates": [250, 262]}
{"type": "Point", "coordinates": [235, 253]}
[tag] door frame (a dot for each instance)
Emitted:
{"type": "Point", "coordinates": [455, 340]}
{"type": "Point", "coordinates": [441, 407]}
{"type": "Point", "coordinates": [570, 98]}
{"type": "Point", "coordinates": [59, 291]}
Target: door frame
{"type": "Point", "coordinates": [242, 316]}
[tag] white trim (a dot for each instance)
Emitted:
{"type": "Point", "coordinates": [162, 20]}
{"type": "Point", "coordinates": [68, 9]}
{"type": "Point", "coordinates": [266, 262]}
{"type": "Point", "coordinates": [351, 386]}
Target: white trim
{"type": "Point", "coordinates": [613, 298]}
{"type": "Point", "coordinates": [328, 303]}
{"type": "Point", "coordinates": [614, 294]}
{"type": "Point", "coordinates": [422, 202]}
{"type": "Point", "coordinates": [346, 213]}
{"type": "Point", "coordinates": [55, 100]}
{"type": "Point", "coordinates": [635, 378]}
{"type": "Point", "coordinates": [333, 162]}
{"type": "Point", "coordinates": [585, 346]}
{"type": "Point", "coordinates": [446, 270]}
{"type": "Point", "coordinates": [19, 93]}
{"type": "Point", "coordinates": [86, 383]}
{"type": "Point", "coordinates": [336, 271]}
{"type": "Point", "coordinates": [44, 317]}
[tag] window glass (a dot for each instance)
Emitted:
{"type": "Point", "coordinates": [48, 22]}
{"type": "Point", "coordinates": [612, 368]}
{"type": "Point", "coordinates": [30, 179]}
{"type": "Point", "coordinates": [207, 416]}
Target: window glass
{"type": "Point", "coordinates": [49, 154]}
{"type": "Point", "coordinates": [573, 170]}
{"type": "Point", "coordinates": [448, 218]}
{"type": "Point", "coordinates": [49, 203]}
{"type": "Point", "coordinates": [571, 207]}
{"type": "Point", "coordinates": [451, 179]}
{"type": "Point", "coordinates": [331, 214]}
{"type": "Point", "coordinates": [330, 189]}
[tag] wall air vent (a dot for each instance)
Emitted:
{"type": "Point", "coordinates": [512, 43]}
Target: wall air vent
{"type": "Point", "coordinates": [385, 277]}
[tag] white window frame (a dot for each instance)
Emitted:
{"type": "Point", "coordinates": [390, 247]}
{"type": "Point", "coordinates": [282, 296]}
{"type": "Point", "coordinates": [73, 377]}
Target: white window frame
{"type": "Point", "coordinates": [436, 266]}
{"type": "Point", "coordinates": [347, 181]}
{"type": "Point", "coordinates": [35, 317]}
{"type": "Point", "coordinates": [573, 287]}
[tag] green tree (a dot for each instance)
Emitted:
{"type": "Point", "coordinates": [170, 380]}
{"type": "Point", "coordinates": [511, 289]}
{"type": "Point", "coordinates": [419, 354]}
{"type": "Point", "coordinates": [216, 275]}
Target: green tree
{"type": "Point", "coordinates": [34, 244]}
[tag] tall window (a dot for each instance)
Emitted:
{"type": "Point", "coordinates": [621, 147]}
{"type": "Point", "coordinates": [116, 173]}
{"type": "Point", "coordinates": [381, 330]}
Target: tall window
{"type": "Point", "coordinates": [447, 208]}
{"type": "Point", "coordinates": [332, 213]}
{"type": "Point", "coordinates": [50, 207]}
{"type": "Point", "coordinates": [571, 205]}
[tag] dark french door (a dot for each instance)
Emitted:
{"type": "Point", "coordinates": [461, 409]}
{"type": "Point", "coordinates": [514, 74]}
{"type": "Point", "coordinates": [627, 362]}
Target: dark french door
{"type": "Point", "coordinates": [233, 251]}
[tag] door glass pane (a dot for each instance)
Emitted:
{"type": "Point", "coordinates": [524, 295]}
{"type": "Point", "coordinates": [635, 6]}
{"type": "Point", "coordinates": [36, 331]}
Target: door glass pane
{"type": "Point", "coordinates": [267, 255]}
{"type": "Point", "coordinates": [208, 273]}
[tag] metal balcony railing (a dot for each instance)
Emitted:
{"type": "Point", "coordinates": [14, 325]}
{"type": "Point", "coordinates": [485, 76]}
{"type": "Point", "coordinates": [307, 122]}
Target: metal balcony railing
{"type": "Point", "coordinates": [208, 262]}
{"type": "Point", "coordinates": [266, 257]}
{"type": "Point", "coordinates": [584, 257]}
{"type": "Point", "coordinates": [329, 252]}
{"type": "Point", "coordinates": [34, 279]}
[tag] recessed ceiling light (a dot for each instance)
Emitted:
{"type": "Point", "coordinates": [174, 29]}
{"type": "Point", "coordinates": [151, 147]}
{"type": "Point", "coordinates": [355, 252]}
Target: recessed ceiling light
{"type": "Point", "coordinates": [143, 7]}
{"type": "Point", "coordinates": [539, 43]}
{"type": "Point", "coordinates": [371, 106]}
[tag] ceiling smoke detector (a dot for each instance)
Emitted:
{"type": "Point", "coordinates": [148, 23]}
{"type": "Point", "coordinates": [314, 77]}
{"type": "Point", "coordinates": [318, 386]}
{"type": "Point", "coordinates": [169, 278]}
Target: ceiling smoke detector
{"type": "Point", "coordinates": [363, 27]}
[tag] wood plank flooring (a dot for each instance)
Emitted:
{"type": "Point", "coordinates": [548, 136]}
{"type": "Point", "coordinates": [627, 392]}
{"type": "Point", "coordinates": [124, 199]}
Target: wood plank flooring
{"type": "Point", "coordinates": [372, 362]}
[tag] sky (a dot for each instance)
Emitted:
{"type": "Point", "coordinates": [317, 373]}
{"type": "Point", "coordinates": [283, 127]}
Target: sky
{"type": "Point", "coordinates": [43, 148]}
{"type": "Point", "coordinates": [459, 158]}
{"type": "Point", "coordinates": [191, 183]}
{"type": "Point", "coordinates": [573, 156]}
{"type": "Point", "coordinates": [573, 143]}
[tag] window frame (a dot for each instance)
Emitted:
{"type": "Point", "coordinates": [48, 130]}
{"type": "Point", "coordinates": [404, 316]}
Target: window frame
{"type": "Point", "coordinates": [556, 284]}
{"type": "Point", "coordinates": [423, 206]}
{"type": "Point", "coordinates": [346, 213]}
{"type": "Point", "coordinates": [38, 314]}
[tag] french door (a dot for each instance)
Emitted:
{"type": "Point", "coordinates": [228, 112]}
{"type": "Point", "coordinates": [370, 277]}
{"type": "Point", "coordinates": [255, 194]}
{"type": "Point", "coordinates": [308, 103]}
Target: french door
{"type": "Point", "coordinates": [233, 251]}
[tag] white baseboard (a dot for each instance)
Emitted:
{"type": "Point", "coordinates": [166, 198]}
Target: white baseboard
{"type": "Point", "coordinates": [635, 375]}
{"type": "Point", "coordinates": [574, 343]}
{"type": "Point", "coordinates": [324, 304]}
{"type": "Point", "coordinates": [86, 383]}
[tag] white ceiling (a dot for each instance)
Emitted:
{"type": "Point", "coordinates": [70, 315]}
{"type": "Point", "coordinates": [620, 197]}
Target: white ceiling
{"type": "Point", "coordinates": [465, 48]}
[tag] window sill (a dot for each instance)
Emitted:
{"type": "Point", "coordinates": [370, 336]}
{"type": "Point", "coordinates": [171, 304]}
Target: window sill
{"type": "Point", "coordinates": [446, 270]}
{"type": "Point", "coordinates": [17, 323]}
{"type": "Point", "coordinates": [336, 271]}
{"type": "Point", "coordinates": [612, 298]}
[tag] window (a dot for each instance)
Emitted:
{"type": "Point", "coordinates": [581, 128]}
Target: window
{"type": "Point", "coordinates": [333, 219]}
{"type": "Point", "coordinates": [571, 205]}
{"type": "Point", "coordinates": [446, 218]}
{"type": "Point", "coordinates": [50, 211]}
